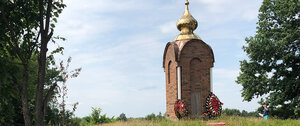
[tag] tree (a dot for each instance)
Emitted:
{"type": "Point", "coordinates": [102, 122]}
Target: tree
{"type": "Point", "coordinates": [10, 103]}
{"type": "Point", "coordinates": [27, 26]}
{"type": "Point", "coordinates": [122, 117]}
{"type": "Point", "coordinates": [150, 117]}
{"type": "Point", "coordinates": [231, 112]}
{"type": "Point", "coordinates": [273, 67]}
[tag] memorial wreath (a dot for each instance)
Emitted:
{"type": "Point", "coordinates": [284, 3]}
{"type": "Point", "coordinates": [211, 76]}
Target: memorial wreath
{"type": "Point", "coordinates": [213, 106]}
{"type": "Point", "coordinates": [180, 109]}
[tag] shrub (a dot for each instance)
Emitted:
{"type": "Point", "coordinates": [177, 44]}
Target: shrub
{"type": "Point", "coordinates": [160, 116]}
{"type": "Point", "coordinates": [231, 112]}
{"type": "Point", "coordinates": [96, 118]}
{"type": "Point", "coordinates": [153, 117]}
{"type": "Point", "coordinates": [150, 117]}
{"type": "Point", "coordinates": [122, 117]}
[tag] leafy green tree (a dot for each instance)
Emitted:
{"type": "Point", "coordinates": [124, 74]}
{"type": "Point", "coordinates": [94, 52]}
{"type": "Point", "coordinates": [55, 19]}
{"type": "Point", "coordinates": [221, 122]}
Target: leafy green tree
{"type": "Point", "coordinates": [10, 105]}
{"type": "Point", "coordinates": [95, 115]}
{"type": "Point", "coordinates": [273, 67]}
{"type": "Point", "coordinates": [160, 116]}
{"type": "Point", "coordinates": [150, 117]}
{"type": "Point", "coordinates": [27, 26]}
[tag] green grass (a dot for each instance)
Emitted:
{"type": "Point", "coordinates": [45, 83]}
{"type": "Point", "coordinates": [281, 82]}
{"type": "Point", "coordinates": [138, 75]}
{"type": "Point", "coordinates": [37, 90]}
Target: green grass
{"type": "Point", "coordinates": [229, 120]}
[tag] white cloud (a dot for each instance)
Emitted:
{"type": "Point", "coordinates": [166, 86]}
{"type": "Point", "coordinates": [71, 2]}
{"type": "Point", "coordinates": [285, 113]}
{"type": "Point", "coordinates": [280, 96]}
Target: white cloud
{"type": "Point", "coordinates": [169, 27]}
{"type": "Point", "coordinates": [110, 73]}
{"type": "Point", "coordinates": [79, 30]}
{"type": "Point", "coordinates": [107, 6]}
{"type": "Point", "coordinates": [225, 73]}
{"type": "Point", "coordinates": [227, 10]}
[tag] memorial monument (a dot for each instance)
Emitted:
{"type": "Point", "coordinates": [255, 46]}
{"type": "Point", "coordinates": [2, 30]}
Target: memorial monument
{"type": "Point", "coordinates": [187, 63]}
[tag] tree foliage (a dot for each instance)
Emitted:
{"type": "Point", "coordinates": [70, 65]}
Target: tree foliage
{"type": "Point", "coordinates": [26, 28]}
{"type": "Point", "coordinates": [94, 118]}
{"type": "Point", "coordinates": [122, 117]}
{"type": "Point", "coordinates": [11, 103]}
{"type": "Point", "coordinates": [153, 117]}
{"type": "Point", "coordinates": [236, 112]}
{"type": "Point", "coordinates": [273, 67]}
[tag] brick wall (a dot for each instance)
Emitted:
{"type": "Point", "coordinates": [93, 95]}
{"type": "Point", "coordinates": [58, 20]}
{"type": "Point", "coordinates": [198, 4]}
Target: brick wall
{"type": "Point", "coordinates": [171, 81]}
{"type": "Point", "coordinates": [196, 60]}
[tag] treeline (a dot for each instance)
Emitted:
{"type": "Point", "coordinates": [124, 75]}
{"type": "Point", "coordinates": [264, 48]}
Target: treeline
{"type": "Point", "coordinates": [97, 118]}
{"type": "Point", "coordinates": [236, 112]}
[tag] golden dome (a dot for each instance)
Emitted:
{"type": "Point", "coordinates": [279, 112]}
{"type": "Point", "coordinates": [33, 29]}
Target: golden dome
{"type": "Point", "coordinates": [186, 25]}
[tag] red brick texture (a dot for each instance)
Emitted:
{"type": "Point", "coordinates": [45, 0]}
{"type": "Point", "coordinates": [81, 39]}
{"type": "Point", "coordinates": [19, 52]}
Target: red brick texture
{"type": "Point", "coordinates": [195, 58]}
{"type": "Point", "coordinates": [171, 80]}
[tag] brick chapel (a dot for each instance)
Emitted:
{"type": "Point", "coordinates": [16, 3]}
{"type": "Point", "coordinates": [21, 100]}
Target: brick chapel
{"type": "Point", "coordinates": [187, 63]}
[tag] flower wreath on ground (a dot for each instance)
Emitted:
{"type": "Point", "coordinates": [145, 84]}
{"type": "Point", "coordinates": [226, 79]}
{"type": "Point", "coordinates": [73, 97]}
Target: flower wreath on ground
{"type": "Point", "coordinates": [180, 109]}
{"type": "Point", "coordinates": [213, 106]}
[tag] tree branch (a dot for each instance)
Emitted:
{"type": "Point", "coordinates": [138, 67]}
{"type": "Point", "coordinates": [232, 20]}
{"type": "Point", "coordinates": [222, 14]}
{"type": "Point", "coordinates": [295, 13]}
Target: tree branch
{"type": "Point", "coordinates": [49, 8]}
{"type": "Point", "coordinates": [36, 40]}
{"type": "Point", "coordinates": [38, 36]}
{"type": "Point", "coordinates": [16, 47]}
{"type": "Point", "coordinates": [48, 95]}
{"type": "Point", "coordinates": [28, 32]}
{"type": "Point", "coordinates": [41, 8]}
{"type": "Point", "coordinates": [49, 36]}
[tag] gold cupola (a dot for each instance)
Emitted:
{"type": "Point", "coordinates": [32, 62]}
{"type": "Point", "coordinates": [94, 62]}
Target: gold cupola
{"type": "Point", "coordinates": [186, 25]}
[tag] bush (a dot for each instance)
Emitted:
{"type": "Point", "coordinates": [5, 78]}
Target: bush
{"type": "Point", "coordinates": [231, 112]}
{"type": "Point", "coordinates": [160, 116]}
{"type": "Point", "coordinates": [96, 118]}
{"type": "Point", "coordinates": [122, 117]}
{"type": "Point", "coordinates": [154, 117]}
{"type": "Point", "coordinates": [80, 121]}
{"type": "Point", "coordinates": [150, 117]}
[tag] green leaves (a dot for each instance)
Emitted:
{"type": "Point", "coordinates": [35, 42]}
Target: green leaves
{"type": "Point", "coordinates": [55, 14]}
{"type": "Point", "coordinates": [55, 20]}
{"type": "Point", "coordinates": [23, 46]}
{"type": "Point", "coordinates": [273, 68]}
{"type": "Point", "coordinates": [96, 118]}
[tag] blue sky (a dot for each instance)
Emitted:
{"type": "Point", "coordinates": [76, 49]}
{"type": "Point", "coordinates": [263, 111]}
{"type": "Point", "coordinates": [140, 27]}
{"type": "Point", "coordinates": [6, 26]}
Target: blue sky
{"type": "Point", "coordinates": [119, 44]}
